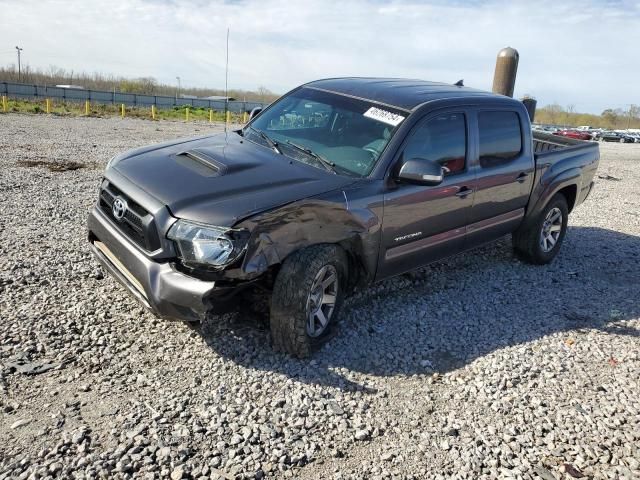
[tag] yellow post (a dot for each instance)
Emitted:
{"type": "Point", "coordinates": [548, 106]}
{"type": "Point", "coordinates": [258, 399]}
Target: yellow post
{"type": "Point", "coordinates": [48, 102]}
{"type": "Point", "coordinates": [122, 110]}
{"type": "Point", "coordinates": [4, 103]}
{"type": "Point", "coordinates": [86, 107]}
{"type": "Point", "coordinates": [210, 115]}
{"type": "Point", "coordinates": [228, 116]}
{"type": "Point", "coordinates": [186, 114]}
{"type": "Point", "coordinates": [153, 112]}
{"type": "Point", "coordinates": [245, 117]}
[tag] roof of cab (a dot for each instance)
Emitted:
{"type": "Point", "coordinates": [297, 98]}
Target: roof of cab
{"type": "Point", "coordinates": [398, 92]}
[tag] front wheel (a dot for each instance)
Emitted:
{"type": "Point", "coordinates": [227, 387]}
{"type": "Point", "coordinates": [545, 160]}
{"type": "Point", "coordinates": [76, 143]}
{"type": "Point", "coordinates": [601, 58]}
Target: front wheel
{"type": "Point", "coordinates": [306, 300]}
{"type": "Point", "coordinates": [540, 242]}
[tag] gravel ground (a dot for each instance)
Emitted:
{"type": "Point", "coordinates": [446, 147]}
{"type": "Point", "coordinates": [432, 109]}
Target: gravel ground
{"type": "Point", "coordinates": [476, 367]}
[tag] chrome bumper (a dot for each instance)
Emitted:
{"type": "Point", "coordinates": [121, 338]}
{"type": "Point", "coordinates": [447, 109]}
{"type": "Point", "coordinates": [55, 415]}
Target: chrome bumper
{"type": "Point", "coordinates": [159, 287]}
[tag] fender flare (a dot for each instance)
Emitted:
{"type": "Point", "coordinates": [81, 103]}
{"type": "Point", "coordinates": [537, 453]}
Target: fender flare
{"type": "Point", "coordinates": [566, 178]}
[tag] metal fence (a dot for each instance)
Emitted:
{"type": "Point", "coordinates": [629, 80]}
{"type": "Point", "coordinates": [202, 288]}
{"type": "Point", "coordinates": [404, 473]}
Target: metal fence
{"type": "Point", "coordinates": [23, 90]}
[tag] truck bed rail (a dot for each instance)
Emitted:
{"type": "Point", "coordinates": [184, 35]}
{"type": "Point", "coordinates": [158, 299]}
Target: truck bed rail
{"type": "Point", "coordinates": [545, 142]}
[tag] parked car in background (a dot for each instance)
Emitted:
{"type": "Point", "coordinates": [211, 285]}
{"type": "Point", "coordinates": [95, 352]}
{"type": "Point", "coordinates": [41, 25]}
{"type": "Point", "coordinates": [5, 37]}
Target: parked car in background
{"type": "Point", "coordinates": [578, 135]}
{"type": "Point", "coordinates": [614, 137]}
{"type": "Point", "coordinates": [595, 132]}
{"type": "Point", "coordinates": [545, 128]}
{"type": "Point", "coordinates": [628, 136]}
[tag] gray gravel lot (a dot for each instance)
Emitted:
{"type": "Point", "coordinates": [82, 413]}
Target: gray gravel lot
{"type": "Point", "coordinates": [477, 367]}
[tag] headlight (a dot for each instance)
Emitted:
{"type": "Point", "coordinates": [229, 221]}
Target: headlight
{"type": "Point", "coordinates": [200, 244]}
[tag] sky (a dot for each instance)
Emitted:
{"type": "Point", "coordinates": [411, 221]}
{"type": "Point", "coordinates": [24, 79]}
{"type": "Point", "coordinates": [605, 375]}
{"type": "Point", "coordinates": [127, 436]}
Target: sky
{"type": "Point", "coordinates": [583, 53]}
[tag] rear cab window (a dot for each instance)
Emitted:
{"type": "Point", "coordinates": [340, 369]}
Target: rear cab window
{"type": "Point", "coordinates": [500, 137]}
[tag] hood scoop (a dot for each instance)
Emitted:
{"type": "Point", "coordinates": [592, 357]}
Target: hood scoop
{"type": "Point", "coordinates": [201, 163]}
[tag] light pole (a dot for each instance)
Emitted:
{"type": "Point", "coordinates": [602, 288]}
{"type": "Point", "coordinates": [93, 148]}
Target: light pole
{"type": "Point", "coordinates": [178, 91]}
{"type": "Point", "coordinates": [18, 49]}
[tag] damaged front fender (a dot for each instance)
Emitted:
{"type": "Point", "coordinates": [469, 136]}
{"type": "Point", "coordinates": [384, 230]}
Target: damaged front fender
{"type": "Point", "coordinates": [333, 219]}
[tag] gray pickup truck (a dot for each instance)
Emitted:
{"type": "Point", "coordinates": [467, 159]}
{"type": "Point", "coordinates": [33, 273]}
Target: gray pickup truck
{"type": "Point", "coordinates": [338, 184]}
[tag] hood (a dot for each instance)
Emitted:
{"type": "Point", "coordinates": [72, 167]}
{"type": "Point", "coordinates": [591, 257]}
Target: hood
{"type": "Point", "coordinates": [224, 178]}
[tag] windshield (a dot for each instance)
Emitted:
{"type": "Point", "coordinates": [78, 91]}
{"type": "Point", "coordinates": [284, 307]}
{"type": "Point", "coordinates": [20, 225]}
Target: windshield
{"type": "Point", "coordinates": [327, 130]}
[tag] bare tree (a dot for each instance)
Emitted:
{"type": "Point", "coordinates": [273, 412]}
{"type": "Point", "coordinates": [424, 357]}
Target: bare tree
{"type": "Point", "coordinates": [610, 117]}
{"type": "Point", "coordinates": [554, 111]}
{"type": "Point", "coordinates": [568, 114]}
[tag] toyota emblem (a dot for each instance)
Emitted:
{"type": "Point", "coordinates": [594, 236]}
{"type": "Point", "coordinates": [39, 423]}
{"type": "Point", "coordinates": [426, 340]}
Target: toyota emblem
{"type": "Point", "coordinates": [119, 208]}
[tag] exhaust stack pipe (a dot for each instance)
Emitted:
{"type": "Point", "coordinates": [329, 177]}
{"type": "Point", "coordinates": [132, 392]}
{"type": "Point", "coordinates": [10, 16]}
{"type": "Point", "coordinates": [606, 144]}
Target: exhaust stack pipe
{"type": "Point", "coordinates": [530, 105]}
{"type": "Point", "coordinates": [504, 79]}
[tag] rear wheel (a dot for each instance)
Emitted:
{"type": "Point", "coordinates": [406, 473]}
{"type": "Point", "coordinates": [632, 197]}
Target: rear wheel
{"type": "Point", "coordinates": [621, 140]}
{"type": "Point", "coordinates": [306, 300]}
{"type": "Point", "coordinates": [540, 242]}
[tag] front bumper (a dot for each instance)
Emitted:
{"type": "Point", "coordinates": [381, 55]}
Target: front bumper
{"type": "Point", "coordinates": [158, 286]}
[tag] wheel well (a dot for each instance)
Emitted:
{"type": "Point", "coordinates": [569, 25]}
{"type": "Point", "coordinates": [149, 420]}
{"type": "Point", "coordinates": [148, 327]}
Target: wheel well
{"type": "Point", "coordinates": [358, 275]}
{"type": "Point", "coordinates": [570, 193]}
{"type": "Point", "coordinates": [357, 271]}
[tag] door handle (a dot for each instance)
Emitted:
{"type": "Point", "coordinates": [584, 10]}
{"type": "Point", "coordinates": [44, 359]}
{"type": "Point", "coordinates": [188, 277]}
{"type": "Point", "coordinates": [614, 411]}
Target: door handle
{"type": "Point", "coordinates": [464, 192]}
{"type": "Point", "coordinates": [522, 177]}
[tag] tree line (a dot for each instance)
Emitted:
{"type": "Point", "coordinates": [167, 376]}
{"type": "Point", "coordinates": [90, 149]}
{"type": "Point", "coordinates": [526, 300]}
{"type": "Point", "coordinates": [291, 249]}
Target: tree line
{"type": "Point", "coordinates": [142, 85]}
{"type": "Point", "coordinates": [554, 114]}
{"type": "Point", "coordinates": [611, 118]}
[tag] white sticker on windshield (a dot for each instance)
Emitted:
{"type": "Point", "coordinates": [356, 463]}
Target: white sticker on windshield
{"type": "Point", "coordinates": [384, 116]}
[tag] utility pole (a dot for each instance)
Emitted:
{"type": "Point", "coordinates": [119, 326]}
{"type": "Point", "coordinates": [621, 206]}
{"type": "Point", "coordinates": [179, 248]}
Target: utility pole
{"type": "Point", "coordinates": [18, 49]}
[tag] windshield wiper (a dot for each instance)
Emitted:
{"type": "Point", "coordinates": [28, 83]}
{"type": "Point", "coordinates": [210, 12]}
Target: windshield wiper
{"type": "Point", "coordinates": [272, 143]}
{"type": "Point", "coordinates": [330, 166]}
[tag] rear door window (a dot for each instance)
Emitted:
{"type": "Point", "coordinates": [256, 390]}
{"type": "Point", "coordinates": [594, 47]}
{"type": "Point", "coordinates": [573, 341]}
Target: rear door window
{"type": "Point", "coordinates": [500, 137]}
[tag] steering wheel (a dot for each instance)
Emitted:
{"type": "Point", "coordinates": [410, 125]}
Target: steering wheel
{"type": "Point", "coordinates": [374, 153]}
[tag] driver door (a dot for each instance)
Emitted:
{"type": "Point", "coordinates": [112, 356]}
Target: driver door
{"type": "Point", "coordinates": [422, 224]}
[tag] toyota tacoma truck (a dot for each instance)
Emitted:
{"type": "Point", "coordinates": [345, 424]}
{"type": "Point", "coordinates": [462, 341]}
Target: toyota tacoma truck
{"type": "Point", "coordinates": [340, 183]}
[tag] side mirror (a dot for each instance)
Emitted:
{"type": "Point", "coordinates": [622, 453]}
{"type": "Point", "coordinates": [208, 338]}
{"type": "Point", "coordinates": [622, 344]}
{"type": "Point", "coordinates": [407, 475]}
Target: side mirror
{"type": "Point", "coordinates": [254, 113]}
{"type": "Point", "coordinates": [421, 171]}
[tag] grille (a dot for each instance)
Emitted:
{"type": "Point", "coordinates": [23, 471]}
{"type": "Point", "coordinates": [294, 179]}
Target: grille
{"type": "Point", "coordinates": [137, 223]}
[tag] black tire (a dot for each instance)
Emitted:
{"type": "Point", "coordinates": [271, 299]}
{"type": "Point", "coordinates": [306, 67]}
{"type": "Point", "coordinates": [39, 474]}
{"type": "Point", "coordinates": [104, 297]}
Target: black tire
{"type": "Point", "coordinates": [290, 301]}
{"type": "Point", "coordinates": [195, 325]}
{"type": "Point", "coordinates": [527, 242]}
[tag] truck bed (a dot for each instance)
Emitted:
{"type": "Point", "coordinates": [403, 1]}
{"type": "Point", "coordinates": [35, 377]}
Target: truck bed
{"type": "Point", "coordinates": [561, 160]}
{"type": "Point", "coordinates": [546, 142]}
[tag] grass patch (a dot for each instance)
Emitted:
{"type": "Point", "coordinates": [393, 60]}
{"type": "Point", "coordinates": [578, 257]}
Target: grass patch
{"type": "Point", "coordinates": [176, 113]}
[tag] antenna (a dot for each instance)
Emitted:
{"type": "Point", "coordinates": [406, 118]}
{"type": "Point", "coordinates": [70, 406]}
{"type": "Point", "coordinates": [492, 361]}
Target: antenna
{"type": "Point", "coordinates": [226, 86]}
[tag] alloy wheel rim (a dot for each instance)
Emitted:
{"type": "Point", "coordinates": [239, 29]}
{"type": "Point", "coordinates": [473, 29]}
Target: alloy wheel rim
{"type": "Point", "coordinates": [321, 300]}
{"type": "Point", "coordinates": [551, 229]}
